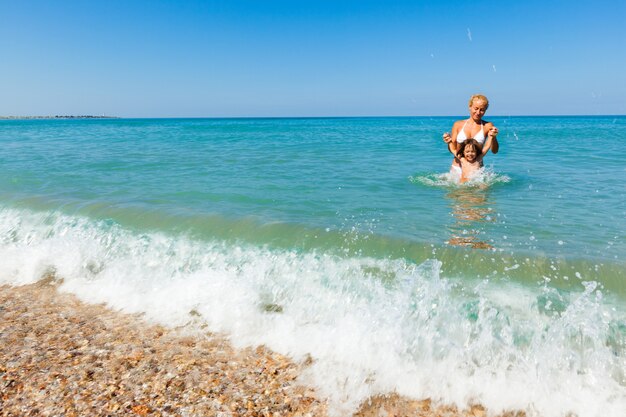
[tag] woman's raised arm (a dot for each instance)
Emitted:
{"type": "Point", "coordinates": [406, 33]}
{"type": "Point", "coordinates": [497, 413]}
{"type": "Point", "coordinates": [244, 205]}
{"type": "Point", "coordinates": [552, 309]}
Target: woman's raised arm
{"type": "Point", "coordinates": [493, 134]}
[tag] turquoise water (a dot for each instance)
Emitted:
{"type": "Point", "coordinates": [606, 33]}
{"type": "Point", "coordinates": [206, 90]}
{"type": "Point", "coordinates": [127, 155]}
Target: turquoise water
{"type": "Point", "coordinates": [385, 270]}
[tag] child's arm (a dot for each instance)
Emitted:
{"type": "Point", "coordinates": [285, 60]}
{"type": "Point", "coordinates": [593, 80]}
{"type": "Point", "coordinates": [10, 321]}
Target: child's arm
{"type": "Point", "coordinates": [450, 138]}
{"type": "Point", "coordinates": [487, 145]}
{"type": "Point", "coordinates": [453, 147]}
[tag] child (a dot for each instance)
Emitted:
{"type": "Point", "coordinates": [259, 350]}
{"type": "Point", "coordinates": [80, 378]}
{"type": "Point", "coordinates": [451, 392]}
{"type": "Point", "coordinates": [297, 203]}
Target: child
{"type": "Point", "coordinates": [470, 157]}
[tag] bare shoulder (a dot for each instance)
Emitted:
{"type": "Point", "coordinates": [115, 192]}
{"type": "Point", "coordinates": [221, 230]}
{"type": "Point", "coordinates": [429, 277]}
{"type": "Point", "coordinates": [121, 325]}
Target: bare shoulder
{"type": "Point", "coordinates": [488, 124]}
{"type": "Point", "coordinates": [458, 124]}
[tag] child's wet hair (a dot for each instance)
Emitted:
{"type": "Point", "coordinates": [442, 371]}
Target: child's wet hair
{"type": "Point", "coordinates": [469, 142]}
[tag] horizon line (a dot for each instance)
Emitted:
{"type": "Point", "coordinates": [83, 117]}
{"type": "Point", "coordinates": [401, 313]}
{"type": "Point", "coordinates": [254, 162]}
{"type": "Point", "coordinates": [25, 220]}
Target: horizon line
{"type": "Point", "coordinates": [67, 117]}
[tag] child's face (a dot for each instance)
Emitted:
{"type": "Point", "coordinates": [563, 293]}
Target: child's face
{"type": "Point", "coordinates": [470, 153]}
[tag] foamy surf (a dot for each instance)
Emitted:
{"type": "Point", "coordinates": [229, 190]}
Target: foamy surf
{"type": "Point", "coordinates": [484, 177]}
{"type": "Point", "coordinates": [371, 325]}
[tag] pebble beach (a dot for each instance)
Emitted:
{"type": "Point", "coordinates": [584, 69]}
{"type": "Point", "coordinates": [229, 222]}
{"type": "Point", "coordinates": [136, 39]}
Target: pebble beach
{"type": "Point", "coordinates": [62, 357]}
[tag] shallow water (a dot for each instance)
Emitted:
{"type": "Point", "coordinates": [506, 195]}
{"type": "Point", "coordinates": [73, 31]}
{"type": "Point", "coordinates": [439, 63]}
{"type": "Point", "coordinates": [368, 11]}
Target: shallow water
{"type": "Point", "coordinates": [344, 239]}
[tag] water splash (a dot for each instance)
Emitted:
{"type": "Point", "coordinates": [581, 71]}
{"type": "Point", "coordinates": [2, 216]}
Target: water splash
{"type": "Point", "coordinates": [371, 325]}
{"type": "Point", "coordinates": [484, 177]}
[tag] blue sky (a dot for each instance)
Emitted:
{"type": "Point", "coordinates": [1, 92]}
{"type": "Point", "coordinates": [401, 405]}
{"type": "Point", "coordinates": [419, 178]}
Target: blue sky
{"type": "Point", "coordinates": [136, 58]}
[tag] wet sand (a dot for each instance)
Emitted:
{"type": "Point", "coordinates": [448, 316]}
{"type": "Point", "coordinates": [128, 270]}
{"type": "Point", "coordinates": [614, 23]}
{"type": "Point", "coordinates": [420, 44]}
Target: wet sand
{"type": "Point", "coordinates": [62, 357]}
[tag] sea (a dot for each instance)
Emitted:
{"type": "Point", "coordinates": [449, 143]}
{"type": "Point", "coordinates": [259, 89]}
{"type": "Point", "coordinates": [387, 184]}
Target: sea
{"type": "Point", "coordinates": [346, 244]}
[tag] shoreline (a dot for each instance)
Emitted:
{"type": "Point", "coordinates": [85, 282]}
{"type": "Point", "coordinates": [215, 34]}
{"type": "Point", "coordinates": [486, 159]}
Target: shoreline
{"type": "Point", "coordinates": [60, 356]}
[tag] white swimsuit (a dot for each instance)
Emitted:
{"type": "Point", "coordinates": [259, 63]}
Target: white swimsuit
{"type": "Point", "coordinates": [479, 137]}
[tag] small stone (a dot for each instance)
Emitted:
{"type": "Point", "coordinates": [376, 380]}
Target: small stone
{"type": "Point", "coordinates": [142, 410]}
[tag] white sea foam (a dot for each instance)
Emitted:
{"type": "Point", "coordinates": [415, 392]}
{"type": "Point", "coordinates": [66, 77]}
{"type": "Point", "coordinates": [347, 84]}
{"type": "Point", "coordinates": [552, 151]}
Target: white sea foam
{"type": "Point", "coordinates": [371, 325]}
{"type": "Point", "coordinates": [483, 177]}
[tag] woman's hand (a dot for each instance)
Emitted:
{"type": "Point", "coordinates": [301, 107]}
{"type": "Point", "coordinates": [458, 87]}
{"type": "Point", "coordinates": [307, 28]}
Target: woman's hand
{"type": "Point", "coordinates": [447, 138]}
{"type": "Point", "coordinates": [493, 132]}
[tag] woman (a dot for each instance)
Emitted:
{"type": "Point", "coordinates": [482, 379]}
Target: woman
{"type": "Point", "coordinates": [472, 128]}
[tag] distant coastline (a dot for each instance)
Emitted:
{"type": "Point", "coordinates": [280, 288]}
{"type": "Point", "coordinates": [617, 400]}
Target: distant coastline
{"type": "Point", "coordinates": [57, 117]}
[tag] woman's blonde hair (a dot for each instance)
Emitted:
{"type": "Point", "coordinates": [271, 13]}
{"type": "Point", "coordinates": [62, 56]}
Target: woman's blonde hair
{"type": "Point", "coordinates": [478, 97]}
